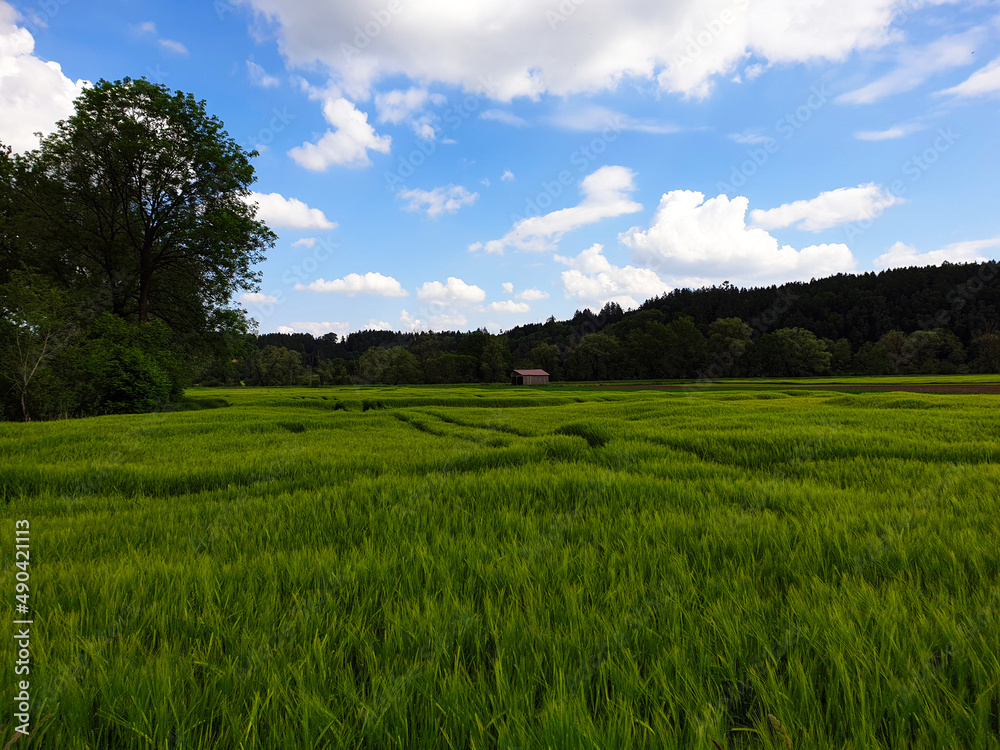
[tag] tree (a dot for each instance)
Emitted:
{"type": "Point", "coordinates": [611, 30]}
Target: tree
{"type": "Point", "coordinates": [791, 352]}
{"type": "Point", "coordinates": [985, 353]}
{"type": "Point", "coordinates": [598, 357]}
{"type": "Point", "coordinates": [37, 325]}
{"type": "Point", "coordinates": [546, 357]}
{"type": "Point", "coordinates": [143, 197]}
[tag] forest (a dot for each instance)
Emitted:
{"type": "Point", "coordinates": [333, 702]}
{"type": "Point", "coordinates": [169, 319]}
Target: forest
{"type": "Point", "coordinates": [908, 321]}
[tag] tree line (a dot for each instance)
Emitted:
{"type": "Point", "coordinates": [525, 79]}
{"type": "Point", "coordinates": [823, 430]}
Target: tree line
{"type": "Point", "coordinates": [910, 321]}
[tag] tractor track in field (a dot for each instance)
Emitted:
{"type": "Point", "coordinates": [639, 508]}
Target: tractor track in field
{"type": "Point", "coordinates": [975, 388]}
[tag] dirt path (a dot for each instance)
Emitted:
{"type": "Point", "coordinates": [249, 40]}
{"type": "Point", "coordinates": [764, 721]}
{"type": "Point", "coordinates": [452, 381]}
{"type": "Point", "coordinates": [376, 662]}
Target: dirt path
{"type": "Point", "coordinates": [982, 388]}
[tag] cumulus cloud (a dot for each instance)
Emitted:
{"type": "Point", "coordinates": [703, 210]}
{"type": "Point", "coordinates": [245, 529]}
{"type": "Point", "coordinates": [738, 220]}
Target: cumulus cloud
{"type": "Point", "coordinates": [916, 65]}
{"type": "Point", "coordinates": [508, 306]}
{"type": "Point", "coordinates": [902, 255]}
{"type": "Point", "coordinates": [508, 287]}
{"type": "Point", "coordinates": [593, 279]}
{"type": "Point", "coordinates": [278, 211]}
{"type": "Point", "coordinates": [347, 144]}
{"type": "Point", "coordinates": [440, 200]}
{"type": "Point", "coordinates": [605, 195]}
{"type": "Point", "coordinates": [829, 209]}
{"type": "Point", "coordinates": [34, 94]}
{"type": "Point", "coordinates": [445, 321]}
{"type": "Point", "coordinates": [699, 242]}
{"type": "Point", "coordinates": [454, 292]}
{"type": "Point", "coordinates": [352, 284]}
{"type": "Point", "coordinates": [519, 49]}
{"type": "Point", "coordinates": [530, 295]}
{"type": "Point", "coordinates": [259, 76]}
{"type": "Point", "coordinates": [981, 83]}
{"type": "Point", "coordinates": [399, 106]}
{"type": "Point", "coordinates": [316, 329]}
{"type": "Point", "coordinates": [305, 242]}
{"type": "Point", "coordinates": [257, 298]}
{"type": "Point", "coordinates": [507, 176]}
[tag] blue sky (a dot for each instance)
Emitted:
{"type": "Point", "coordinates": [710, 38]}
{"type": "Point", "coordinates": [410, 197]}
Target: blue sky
{"type": "Point", "coordinates": [446, 165]}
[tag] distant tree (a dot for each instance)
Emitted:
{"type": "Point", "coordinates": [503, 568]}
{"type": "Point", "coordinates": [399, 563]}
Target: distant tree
{"type": "Point", "coordinates": [402, 367]}
{"type": "Point", "coordinates": [598, 357]}
{"type": "Point", "coordinates": [984, 352]}
{"type": "Point", "coordinates": [495, 360]}
{"type": "Point", "coordinates": [274, 365]}
{"type": "Point", "coordinates": [790, 352]}
{"type": "Point", "coordinates": [872, 359]}
{"type": "Point", "coordinates": [372, 365]}
{"type": "Point", "coordinates": [728, 342]}
{"type": "Point", "coordinates": [546, 357]}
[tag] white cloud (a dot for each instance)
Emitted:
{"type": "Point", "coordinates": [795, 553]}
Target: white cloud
{"type": "Point", "coordinates": [518, 48]}
{"type": "Point", "coordinates": [897, 131]}
{"type": "Point", "coordinates": [347, 144]}
{"type": "Point", "coordinates": [34, 94]}
{"type": "Point", "coordinates": [829, 209]}
{"type": "Point", "coordinates": [593, 279]}
{"type": "Point", "coordinates": [530, 295]}
{"type": "Point", "coordinates": [257, 298]}
{"type": "Point", "coordinates": [440, 200]}
{"type": "Point", "coordinates": [700, 242]}
{"type": "Point", "coordinates": [454, 292]}
{"type": "Point", "coordinates": [446, 321]}
{"type": "Point", "coordinates": [594, 118]}
{"type": "Point", "coordinates": [508, 287]}
{"type": "Point", "coordinates": [292, 213]}
{"type": "Point", "coordinates": [508, 306]}
{"type": "Point", "coordinates": [316, 329]}
{"type": "Point", "coordinates": [504, 117]}
{"type": "Point", "coordinates": [260, 77]}
{"type": "Point", "coordinates": [378, 325]}
{"type": "Point", "coordinates": [305, 242]}
{"type": "Point", "coordinates": [146, 27]}
{"type": "Point", "coordinates": [397, 106]}
{"type": "Point", "coordinates": [171, 45]}
{"type": "Point", "coordinates": [749, 138]}
{"type": "Point", "coordinates": [370, 283]}
{"type": "Point", "coordinates": [605, 194]}
{"type": "Point", "coordinates": [901, 255]}
{"type": "Point", "coordinates": [916, 65]}
{"type": "Point", "coordinates": [507, 176]}
{"type": "Point", "coordinates": [981, 83]}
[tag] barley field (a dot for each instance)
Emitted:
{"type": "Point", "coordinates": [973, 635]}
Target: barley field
{"type": "Point", "coordinates": [487, 567]}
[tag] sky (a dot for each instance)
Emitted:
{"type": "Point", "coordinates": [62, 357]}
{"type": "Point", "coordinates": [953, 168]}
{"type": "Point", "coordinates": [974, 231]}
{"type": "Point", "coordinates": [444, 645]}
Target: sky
{"type": "Point", "coordinates": [433, 165]}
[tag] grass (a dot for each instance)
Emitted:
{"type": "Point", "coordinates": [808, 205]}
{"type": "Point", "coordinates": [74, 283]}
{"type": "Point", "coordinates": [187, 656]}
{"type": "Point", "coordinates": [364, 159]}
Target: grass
{"type": "Point", "coordinates": [513, 568]}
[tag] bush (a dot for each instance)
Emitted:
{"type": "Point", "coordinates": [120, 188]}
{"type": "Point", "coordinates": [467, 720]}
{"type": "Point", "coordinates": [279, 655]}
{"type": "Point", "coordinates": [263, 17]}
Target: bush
{"type": "Point", "coordinates": [119, 367]}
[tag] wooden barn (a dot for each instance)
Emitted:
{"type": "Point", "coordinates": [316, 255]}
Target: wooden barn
{"type": "Point", "coordinates": [529, 377]}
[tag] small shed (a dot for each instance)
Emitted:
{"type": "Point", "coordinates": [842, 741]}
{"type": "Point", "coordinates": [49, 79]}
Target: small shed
{"type": "Point", "coordinates": [529, 377]}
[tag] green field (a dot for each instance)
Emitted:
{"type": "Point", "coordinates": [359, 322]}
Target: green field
{"type": "Point", "coordinates": [476, 567]}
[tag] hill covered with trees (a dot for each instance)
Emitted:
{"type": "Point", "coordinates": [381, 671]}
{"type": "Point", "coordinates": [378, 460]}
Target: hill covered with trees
{"type": "Point", "coordinates": [930, 320]}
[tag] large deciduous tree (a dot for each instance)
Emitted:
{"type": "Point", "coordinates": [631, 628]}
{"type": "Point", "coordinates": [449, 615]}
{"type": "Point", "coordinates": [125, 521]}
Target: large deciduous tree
{"type": "Point", "coordinates": [140, 198]}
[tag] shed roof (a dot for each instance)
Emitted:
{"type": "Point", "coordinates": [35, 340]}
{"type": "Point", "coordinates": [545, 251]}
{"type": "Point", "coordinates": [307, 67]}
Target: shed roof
{"type": "Point", "coordinates": [531, 372]}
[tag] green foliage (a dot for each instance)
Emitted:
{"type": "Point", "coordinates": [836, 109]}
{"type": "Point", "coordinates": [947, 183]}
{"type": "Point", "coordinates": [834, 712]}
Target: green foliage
{"type": "Point", "coordinates": [985, 353]}
{"type": "Point", "coordinates": [790, 352]}
{"type": "Point", "coordinates": [118, 367]}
